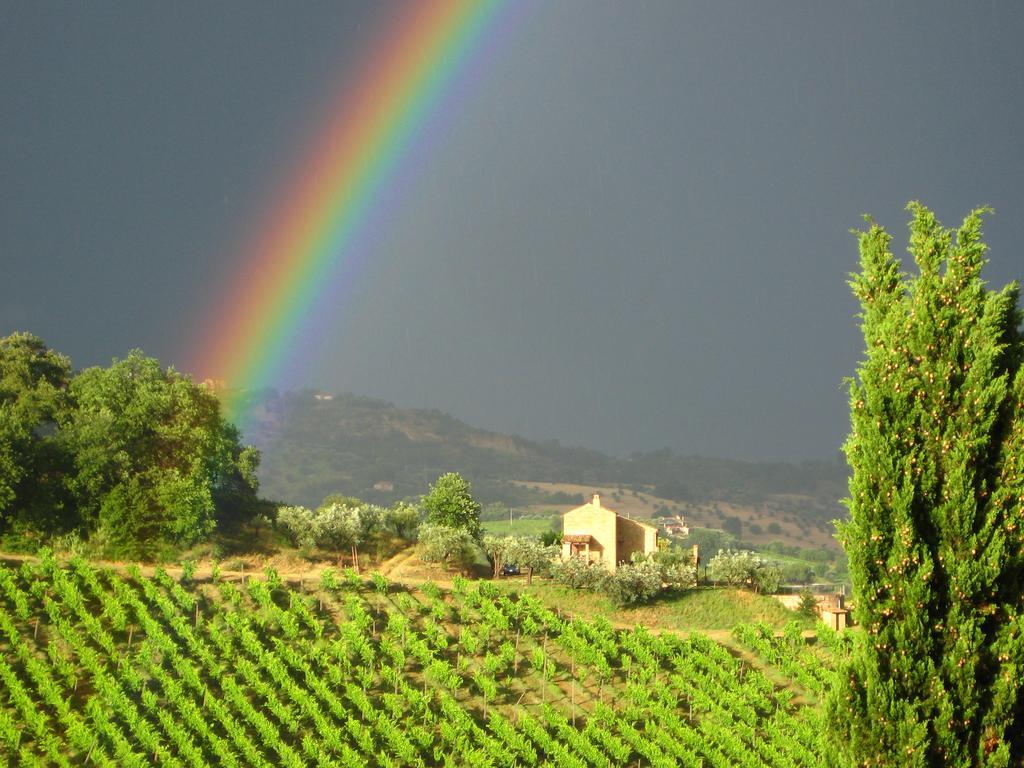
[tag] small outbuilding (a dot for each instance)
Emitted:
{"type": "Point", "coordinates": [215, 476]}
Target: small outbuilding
{"type": "Point", "coordinates": [601, 535]}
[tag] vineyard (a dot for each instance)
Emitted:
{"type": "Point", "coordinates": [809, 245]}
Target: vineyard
{"type": "Point", "coordinates": [122, 669]}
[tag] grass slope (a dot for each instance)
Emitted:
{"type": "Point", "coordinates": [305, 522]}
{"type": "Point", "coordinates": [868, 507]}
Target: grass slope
{"type": "Point", "coordinates": [696, 610]}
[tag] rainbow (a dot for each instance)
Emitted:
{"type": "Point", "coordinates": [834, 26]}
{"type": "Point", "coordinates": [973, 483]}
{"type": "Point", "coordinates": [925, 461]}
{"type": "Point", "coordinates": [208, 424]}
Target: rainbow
{"type": "Point", "coordinates": [324, 209]}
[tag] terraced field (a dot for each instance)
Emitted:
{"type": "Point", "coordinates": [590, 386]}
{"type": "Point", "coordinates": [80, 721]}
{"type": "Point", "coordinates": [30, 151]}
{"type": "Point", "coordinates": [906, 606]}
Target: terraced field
{"type": "Point", "coordinates": [120, 669]}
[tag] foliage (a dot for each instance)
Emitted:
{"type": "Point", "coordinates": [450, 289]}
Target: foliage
{"type": "Point", "coordinates": [450, 503]}
{"type": "Point", "coordinates": [710, 540]}
{"type": "Point", "coordinates": [494, 510]}
{"type": "Point", "coordinates": [788, 653]}
{"type": "Point", "coordinates": [744, 568]}
{"type": "Point", "coordinates": [297, 524]}
{"type": "Point", "coordinates": [134, 456]}
{"type": "Point", "coordinates": [636, 582]}
{"type": "Point", "coordinates": [579, 573]}
{"type": "Point", "coordinates": [534, 555]}
{"type": "Point", "coordinates": [521, 552]}
{"type": "Point", "coordinates": [808, 604]}
{"type": "Point", "coordinates": [497, 548]}
{"type": "Point", "coordinates": [796, 573]}
{"type": "Point", "coordinates": [147, 671]}
{"type": "Point", "coordinates": [338, 525]}
{"type": "Point", "coordinates": [34, 384]}
{"type": "Point", "coordinates": [676, 567]}
{"type": "Point", "coordinates": [647, 576]}
{"type": "Point", "coordinates": [150, 449]}
{"type": "Point", "coordinates": [403, 520]}
{"type": "Point", "coordinates": [551, 537]}
{"type": "Point", "coordinates": [443, 544]}
{"type": "Point", "coordinates": [936, 497]}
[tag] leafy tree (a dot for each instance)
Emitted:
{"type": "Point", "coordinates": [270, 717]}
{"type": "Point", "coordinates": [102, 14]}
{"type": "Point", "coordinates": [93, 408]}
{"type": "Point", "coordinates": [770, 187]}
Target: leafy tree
{"type": "Point", "coordinates": [337, 527]}
{"type": "Point", "coordinates": [450, 503]}
{"type": "Point", "coordinates": [497, 548]}
{"type": "Point", "coordinates": [744, 568]}
{"type": "Point", "coordinates": [534, 555]}
{"type": "Point", "coordinates": [33, 394]}
{"type": "Point", "coordinates": [552, 537]}
{"type": "Point", "coordinates": [235, 493]}
{"type": "Point", "coordinates": [150, 451]}
{"type": "Point", "coordinates": [520, 551]}
{"type": "Point", "coordinates": [495, 510]}
{"type": "Point", "coordinates": [676, 566]}
{"type": "Point", "coordinates": [636, 582]}
{"type": "Point", "coordinates": [734, 526]}
{"type": "Point", "coordinates": [936, 499]}
{"type": "Point", "coordinates": [341, 500]}
{"type": "Point", "coordinates": [443, 544]}
{"type": "Point", "coordinates": [579, 573]}
{"type": "Point", "coordinates": [371, 520]}
{"type": "Point", "coordinates": [808, 604]}
{"type": "Point", "coordinates": [403, 519]}
{"type": "Point", "coordinates": [297, 524]}
{"type": "Point", "coordinates": [797, 573]}
{"type": "Point", "coordinates": [710, 540]}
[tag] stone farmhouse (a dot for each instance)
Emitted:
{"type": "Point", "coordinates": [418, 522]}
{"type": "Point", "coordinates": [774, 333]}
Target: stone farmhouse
{"type": "Point", "coordinates": [603, 536]}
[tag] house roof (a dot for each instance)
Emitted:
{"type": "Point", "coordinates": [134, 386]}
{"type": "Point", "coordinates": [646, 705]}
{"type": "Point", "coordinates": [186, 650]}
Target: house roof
{"type": "Point", "coordinates": [577, 538]}
{"type": "Point", "coordinates": [596, 502]}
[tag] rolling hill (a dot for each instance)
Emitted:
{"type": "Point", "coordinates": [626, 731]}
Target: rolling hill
{"type": "Point", "coordinates": [314, 444]}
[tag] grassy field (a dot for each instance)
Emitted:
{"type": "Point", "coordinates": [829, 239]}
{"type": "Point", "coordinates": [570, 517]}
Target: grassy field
{"type": "Point", "coordinates": [117, 668]}
{"type": "Point", "coordinates": [702, 609]}
{"type": "Point", "coordinates": [528, 526]}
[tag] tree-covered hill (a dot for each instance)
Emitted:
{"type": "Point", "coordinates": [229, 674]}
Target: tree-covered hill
{"type": "Point", "coordinates": [314, 444]}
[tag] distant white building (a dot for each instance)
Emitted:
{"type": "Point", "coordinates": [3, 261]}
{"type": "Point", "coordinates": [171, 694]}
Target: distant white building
{"type": "Point", "coordinates": [675, 526]}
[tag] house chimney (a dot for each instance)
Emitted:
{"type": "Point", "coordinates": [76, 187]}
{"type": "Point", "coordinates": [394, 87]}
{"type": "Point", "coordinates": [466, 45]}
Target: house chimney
{"type": "Point", "coordinates": [597, 500]}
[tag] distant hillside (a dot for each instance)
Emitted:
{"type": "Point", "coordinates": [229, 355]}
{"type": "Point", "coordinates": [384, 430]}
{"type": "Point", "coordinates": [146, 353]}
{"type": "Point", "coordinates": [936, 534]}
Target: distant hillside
{"type": "Point", "coordinates": [316, 444]}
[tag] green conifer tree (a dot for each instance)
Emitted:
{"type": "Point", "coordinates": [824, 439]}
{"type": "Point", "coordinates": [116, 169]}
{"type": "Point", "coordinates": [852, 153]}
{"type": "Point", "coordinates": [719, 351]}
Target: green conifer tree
{"type": "Point", "coordinates": [936, 510]}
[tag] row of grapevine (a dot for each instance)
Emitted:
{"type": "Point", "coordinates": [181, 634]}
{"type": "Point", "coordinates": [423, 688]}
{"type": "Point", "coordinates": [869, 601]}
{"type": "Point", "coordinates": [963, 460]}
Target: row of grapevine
{"type": "Point", "coordinates": [143, 670]}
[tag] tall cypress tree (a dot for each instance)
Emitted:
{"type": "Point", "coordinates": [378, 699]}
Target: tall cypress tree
{"type": "Point", "coordinates": [936, 530]}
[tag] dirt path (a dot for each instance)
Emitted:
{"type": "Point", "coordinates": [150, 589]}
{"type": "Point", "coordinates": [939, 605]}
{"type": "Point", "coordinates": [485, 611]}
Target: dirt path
{"type": "Point", "coordinates": [395, 562]}
{"type": "Point", "coordinates": [402, 567]}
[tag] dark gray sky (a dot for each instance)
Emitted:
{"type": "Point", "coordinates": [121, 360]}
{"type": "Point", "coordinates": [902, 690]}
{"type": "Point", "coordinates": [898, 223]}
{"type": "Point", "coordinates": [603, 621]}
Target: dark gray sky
{"type": "Point", "coordinates": [633, 233]}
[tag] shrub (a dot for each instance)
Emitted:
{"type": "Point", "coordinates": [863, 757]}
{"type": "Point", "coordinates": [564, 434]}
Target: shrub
{"type": "Point", "coordinates": [797, 573]}
{"type": "Point", "coordinates": [676, 567]}
{"type": "Point", "coordinates": [808, 604]}
{"type": "Point", "coordinates": [403, 520]}
{"type": "Point", "coordinates": [443, 544]}
{"type": "Point", "coordinates": [636, 582]}
{"type": "Point", "coordinates": [579, 573]}
{"type": "Point", "coordinates": [743, 568]}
